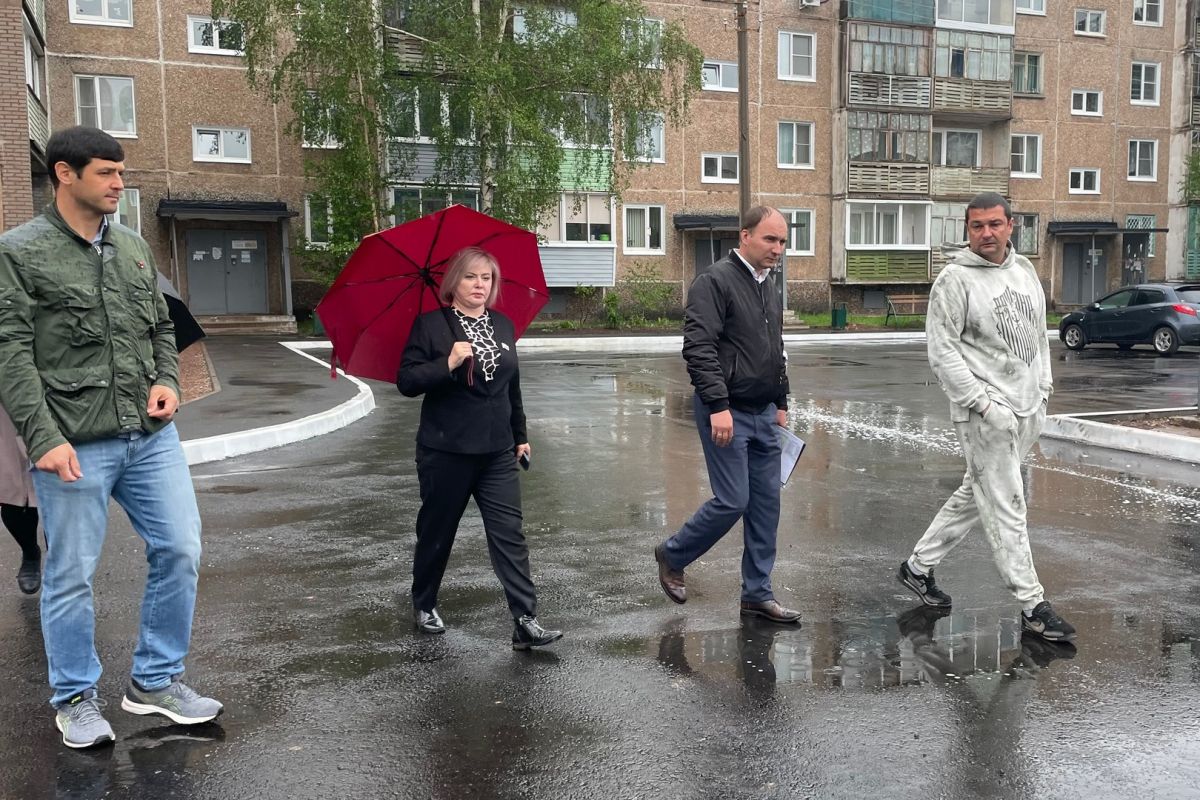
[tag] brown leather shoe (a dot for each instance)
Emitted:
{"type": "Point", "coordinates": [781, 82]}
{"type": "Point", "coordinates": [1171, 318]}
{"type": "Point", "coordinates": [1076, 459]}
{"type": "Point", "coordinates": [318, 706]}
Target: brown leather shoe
{"type": "Point", "coordinates": [770, 609]}
{"type": "Point", "coordinates": [671, 580]}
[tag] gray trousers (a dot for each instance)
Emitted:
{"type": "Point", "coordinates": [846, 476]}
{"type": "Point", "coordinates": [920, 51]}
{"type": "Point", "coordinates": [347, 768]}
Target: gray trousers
{"type": "Point", "coordinates": [992, 495]}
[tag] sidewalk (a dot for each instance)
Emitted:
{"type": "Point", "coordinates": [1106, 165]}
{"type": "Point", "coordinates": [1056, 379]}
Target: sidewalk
{"type": "Point", "coordinates": [274, 393]}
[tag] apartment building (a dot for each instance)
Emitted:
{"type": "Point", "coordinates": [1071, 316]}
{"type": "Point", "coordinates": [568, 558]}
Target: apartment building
{"type": "Point", "coordinates": [24, 124]}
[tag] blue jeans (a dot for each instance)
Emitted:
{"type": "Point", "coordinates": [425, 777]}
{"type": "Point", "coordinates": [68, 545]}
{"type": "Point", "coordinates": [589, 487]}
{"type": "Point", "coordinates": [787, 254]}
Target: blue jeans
{"type": "Point", "coordinates": [744, 476]}
{"type": "Point", "coordinates": [148, 476]}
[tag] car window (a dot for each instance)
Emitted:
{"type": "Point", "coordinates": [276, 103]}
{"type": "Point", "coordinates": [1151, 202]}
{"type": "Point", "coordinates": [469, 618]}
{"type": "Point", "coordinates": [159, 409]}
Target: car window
{"type": "Point", "coordinates": [1117, 300]}
{"type": "Point", "coordinates": [1147, 297]}
{"type": "Point", "coordinates": [1189, 294]}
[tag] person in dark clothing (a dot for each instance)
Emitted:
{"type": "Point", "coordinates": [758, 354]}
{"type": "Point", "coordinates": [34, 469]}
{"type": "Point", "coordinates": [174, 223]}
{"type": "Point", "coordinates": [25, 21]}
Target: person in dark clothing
{"type": "Point", "coordinates": [18, 505]}
{"type": "Point", "coordinates": [733, 346]}
{"type": "Point", "coordinates": [463, 359]}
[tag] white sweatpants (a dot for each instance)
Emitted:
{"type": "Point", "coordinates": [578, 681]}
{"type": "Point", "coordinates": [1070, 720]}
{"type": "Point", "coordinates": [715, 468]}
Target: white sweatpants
{"type": "Point", "coordinates": [992, 495]}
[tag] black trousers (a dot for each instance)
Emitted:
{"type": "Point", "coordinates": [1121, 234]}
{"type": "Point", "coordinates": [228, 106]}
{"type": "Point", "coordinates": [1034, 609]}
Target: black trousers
{"type": "Point", "coordinates": [448, 481]}
{"type": "Point", "coordinates": [22, 523]}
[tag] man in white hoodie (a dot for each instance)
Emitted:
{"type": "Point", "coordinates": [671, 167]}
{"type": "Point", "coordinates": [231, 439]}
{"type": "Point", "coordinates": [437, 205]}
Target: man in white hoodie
{"type": "Point", "coordinates": [986, 331]}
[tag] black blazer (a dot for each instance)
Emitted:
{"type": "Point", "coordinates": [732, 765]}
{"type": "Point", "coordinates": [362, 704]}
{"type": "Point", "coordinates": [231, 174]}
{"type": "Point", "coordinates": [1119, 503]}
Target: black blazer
{"type": "Point", "coordinates": [487, 417]}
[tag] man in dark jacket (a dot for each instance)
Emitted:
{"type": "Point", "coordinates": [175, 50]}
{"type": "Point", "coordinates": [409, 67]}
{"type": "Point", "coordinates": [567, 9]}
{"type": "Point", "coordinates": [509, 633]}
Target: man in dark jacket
{"type": "Point", "coordinates": [733, 346]}
{"type": "Point", "coordinates": [91, 381]}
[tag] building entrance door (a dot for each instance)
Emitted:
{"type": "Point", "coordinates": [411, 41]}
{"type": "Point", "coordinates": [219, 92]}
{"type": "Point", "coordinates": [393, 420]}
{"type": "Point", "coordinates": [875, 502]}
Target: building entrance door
{"type": "Point", "coordinates": [1084, 273]}
{"type": "Point", "coordinates": [227, 272]}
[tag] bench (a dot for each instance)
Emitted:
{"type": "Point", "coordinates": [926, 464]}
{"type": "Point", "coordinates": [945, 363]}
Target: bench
{"type": "Point", "coordinates": [898, 304]}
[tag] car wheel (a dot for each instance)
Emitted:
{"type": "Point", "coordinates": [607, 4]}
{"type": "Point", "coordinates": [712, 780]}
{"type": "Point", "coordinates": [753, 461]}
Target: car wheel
{"type": "Point", "coordinates": [1072, 337]}
{"type": "Point", "coordinates": [1125, 345]}
{"type": "Point", "coordinates": [1166, 341]}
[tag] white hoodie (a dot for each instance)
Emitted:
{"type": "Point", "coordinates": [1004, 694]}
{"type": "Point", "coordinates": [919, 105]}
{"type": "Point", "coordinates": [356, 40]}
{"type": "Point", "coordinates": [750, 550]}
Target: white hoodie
{"type": "Point", "coordinates": [986, 330]}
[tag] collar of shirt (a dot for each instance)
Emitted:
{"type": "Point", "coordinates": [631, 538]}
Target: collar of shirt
{"type": "Point", "coordinates": [99, 237]}
{"type": "Point", "coordinates": [758, 276]}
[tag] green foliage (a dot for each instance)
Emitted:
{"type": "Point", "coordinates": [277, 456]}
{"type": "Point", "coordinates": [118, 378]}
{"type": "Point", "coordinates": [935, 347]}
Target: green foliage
{"type": "Point", "coordinates": [645, 293]}
{"type": "Point", "coordinates": [1191, 176]}
{"type": "Point", "coordinates": [583, 304]}
{"type": "Point", "coordinates": [612, 311]}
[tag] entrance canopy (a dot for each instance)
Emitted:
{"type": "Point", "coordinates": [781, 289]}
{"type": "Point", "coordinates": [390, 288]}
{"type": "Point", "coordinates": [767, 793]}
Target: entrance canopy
{"type": "Point", "coordinates": [707, 222]}
{"type": "Point", "coordinates": [236, 210]}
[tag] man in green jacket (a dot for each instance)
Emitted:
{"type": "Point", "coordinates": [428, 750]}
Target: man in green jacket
{"type": "Point", "coordinates": [91, 381]}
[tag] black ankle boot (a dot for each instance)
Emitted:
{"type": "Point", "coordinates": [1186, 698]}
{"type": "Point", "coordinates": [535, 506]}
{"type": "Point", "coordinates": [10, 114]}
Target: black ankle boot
{"type": "Point", "coordinates": [528, 633]}
{"type": "Point", "coordinates": [29, 576]}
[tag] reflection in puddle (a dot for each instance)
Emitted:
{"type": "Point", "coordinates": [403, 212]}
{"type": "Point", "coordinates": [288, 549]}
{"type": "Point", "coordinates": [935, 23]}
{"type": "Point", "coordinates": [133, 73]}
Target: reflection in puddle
{"type": "Point", "coordinates": [922, 645]}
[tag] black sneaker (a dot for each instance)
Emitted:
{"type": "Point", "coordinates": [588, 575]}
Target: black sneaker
{"type": "Point", "coordinates": [923, 586]}
{"type": "Point", "coordinates": [1048, 625]}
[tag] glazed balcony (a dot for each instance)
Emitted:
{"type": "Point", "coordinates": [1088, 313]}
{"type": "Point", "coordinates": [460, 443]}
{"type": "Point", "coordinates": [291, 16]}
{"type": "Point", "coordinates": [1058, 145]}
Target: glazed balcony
{"type": "Point", "coordinates": [906, 12]}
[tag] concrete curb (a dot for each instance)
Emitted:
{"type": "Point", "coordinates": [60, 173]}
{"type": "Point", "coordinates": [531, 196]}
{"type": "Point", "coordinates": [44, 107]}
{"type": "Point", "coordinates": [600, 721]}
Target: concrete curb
{"type": "Point", "coordinates": [228, 445]}
{"type": "Point", "coordinates": [1092, 429]}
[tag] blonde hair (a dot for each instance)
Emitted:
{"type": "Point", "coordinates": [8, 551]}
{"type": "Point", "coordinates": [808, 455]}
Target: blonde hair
{"type": "Point", "coordinates": [457, 267]}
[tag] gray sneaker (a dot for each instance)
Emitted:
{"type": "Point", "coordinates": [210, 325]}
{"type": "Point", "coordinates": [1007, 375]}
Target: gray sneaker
{"type": "Point", "coordinates": [177, 702]}
{"type": "Point", "coordinates": [81, 723]}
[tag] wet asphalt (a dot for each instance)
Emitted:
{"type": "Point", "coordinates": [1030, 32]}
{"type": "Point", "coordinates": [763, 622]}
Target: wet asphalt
{"type": "Point", "coordinates": [303, 627]}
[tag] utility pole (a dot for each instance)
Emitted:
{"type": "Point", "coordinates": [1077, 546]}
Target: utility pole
{"type": "Point", "coordinates": [743, 112]}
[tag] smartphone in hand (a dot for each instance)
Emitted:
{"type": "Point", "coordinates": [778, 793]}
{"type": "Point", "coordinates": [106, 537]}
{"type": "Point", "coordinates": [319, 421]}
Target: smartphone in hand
{"type": "Point", "coordinates": [524, 461]}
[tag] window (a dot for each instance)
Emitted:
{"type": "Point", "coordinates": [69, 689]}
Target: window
{"type": "Point", "coordinates": [1031, 7]}
{"type": "Point", "coordinates": [1084, 181]}
{"type": "Point", "coordinates": [318, 221]}
{"type": "Point", "coordinates": [719, 168]}
{"type": "Point", "coordinates": [646, 36]}
{"type": "Point", "coordinates": [952, 148]}
{"type": "Point", "coordinates": [102, 12]}
{"type": "Point", "coordinates": [579, 218]}
{"type": "Point", "coordinates": [1148, 297]}
{"type": "Point", "coordinates": [1026, 155]}
{"type": "Point", "coordinates": [874, 225]}
{"type": "Point", "coordinates": [1147, 12]}
{"type": "Point", "coordinates": [976, 12]}
{"type": "Point", "coordinates": [410, 202]}
{"type": "Point", "coordinates": [643, 229]}
{"type": "Point", "coordinates": [1118, 300]}
{"type": "Point", "coordinates": [800, 231]}
{"type": "Point", "coordinates": [35, 63]}
{"type": "Point", "coordinates": [946, 224]}
{"type": "Point", "coordinates": [797, 56]}
{"type": "Point", "coordinates": [1089, 22]}
{"type": "Point", "coordinates": [795, 145]}
{"type": "Point", "coordinates": [1143, 85]}
{"type": "Point", "coordinates": [1087, 103]}
{"type": "Point", "coordinates": [1143, 222]}
{"type": "Point", "coordinates": [1025, 234]}
{"type": "Point", "coordinates": [889, 51]}
{"type": "Point", "coordinates": [648, 130]}
{"type": "Point", "coordinates": [318, 127]}
{"type": "Point", "coordinates": [1027, 73]}
{"type": "Point", "coordinates": [419, 115]}
{"type": "Point", "coordinates": [541, 23]}
{"type": "Point", "coordinates": [881, 136]}
{"type": "Point", "coordinates": [974, 56]}
{"type": "Point", "coordinates": [219, 37]}
{"type": "Point", "coordinates": [129, 210]}
{"type": "Point", "coordinates": [105, 102]}
{"type": "Point", "coordinates": [719, 76]}
{"type": "Point", "coordinates": [1143, 159]}
{"type": "Point", "coordinates": [221, 144]}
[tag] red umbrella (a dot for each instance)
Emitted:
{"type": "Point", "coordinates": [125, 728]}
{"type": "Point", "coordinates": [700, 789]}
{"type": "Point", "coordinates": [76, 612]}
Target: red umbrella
{"type": "Point", "coordinates": [393, 277]}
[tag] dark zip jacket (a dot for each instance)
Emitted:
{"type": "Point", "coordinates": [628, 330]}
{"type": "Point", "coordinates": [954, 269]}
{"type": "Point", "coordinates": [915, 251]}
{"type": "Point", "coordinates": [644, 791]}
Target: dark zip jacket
{"type": "Point", "coordinates": [733, 339]}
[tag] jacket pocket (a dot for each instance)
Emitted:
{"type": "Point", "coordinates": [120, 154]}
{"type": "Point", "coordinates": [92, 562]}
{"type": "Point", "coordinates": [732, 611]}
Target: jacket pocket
{"type": "Point", "coordinates": [84, 314]}
{"type": "Point", "coordinates": [144, 307]}
{"type": "Point", "coordinates": [76, 396]}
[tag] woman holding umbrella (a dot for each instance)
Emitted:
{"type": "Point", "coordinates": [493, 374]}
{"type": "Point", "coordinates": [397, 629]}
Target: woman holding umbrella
{"type": "Point", "coordinates": [463, 359]}
{"type": "Point", "coordinates": [18, 506]}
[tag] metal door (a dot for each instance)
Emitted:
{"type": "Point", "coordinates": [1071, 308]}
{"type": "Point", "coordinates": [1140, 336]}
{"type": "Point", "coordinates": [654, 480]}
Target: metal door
{"type": "Point", "coordinates": [1083, 273]}
{"type": "Point", "coordinates": [246, 275]}
{"type": "Point", "coordinates": [227, 272]}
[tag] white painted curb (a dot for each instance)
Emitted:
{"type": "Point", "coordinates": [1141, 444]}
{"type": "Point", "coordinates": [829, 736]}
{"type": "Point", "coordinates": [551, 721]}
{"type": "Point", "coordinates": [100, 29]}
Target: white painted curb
{"type": "Point", "coordinates": [1091, 429]}
{"type": "Point", "coordinates": [228, 445]}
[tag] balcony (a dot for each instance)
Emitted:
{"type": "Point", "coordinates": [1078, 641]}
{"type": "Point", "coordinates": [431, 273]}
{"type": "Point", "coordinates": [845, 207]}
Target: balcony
{"type": "Point", "coordinates": [36, 10]}
{"type": "Point", "coordinates": [966, 182]}
{"type": "Point", "coordinates": [887, 266]}
{"type": "Point", "coordinates": [883, 91]}
{"type": "Point", "coordinates": [907, 12]}
{"type": "Point", "coordinates": [408, 48]}
{"type": "Point", "coordinates": [972, 99]}
{"type": "Point", "coordinates": [39, 123]}
{"type": "Point", "coordinates": [889, 178]}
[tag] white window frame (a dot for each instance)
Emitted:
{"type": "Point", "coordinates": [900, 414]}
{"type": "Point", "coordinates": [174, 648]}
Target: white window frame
{"type": "Point", "coordinates": [991, 26]}
{"type": "Point", "coordinates": [1025, 155]}
{"type": "Point", "coordinates": [938, 158]}
{"type": "Point", "coordinates": [645, 23]}
{"type": "Point", "coordinates": [104, 19]}
{"type": "Point", "coordinates": [1153, 176]}
{"type": "Point", "coordinates": [222, 159]}
{"type": "Point", "coordinates": [1099, 112]}
{"type": "Point", "coordinates": [1157, 83]}
{"type": "Point", "coordinates": [330, 143]}
{"type": "Point", "coordinates": [217, 25]}
{"type": "Point", "coordinates": [1090, 13]}
{"type": "Point", "coordinates": [308, 220]}
{"type": "Point", "coordinates": [96, 92]}
{"type": "Point", "coordinates": [721, 67]}
{"type": "Point", "coordinates": [35, 59]}
{"type": "Point", "coordinates": [1036, 7]}
{"type": "Point", "coordinates": [902, 206]}
{"type": "Point", "coordinates": [131, 199]}
{"type": "Point", "coordinates": [791, 215]}
{"type": "Point", "coordinates": [788, 38]}
{"type": "Point", "coordinates": [1036, 233]}
{"type": "Point", "coordinates": [566, 205]}
{"type": "Point", "coordinates": [1040, 90]}
{"type": "Point", "coordinates": [1082, 172]}
{"type": "Point", "coordinates": [657, 133]}
{"type": "Point", "coordinates": [795, 164]}
{"type": "Point", "coordinates": [720, 158]}
{"type": "Point", "coordinates": [1148, 4]}
{"type": "Point", "coordinates": [645, 249]}
{"type": "Point", "coordinates": [443, 197]}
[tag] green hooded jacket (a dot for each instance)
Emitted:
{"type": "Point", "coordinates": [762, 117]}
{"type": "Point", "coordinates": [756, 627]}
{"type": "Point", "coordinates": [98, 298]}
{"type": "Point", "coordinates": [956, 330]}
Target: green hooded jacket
{"type": "Point", "coordinates": [84, 333]}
